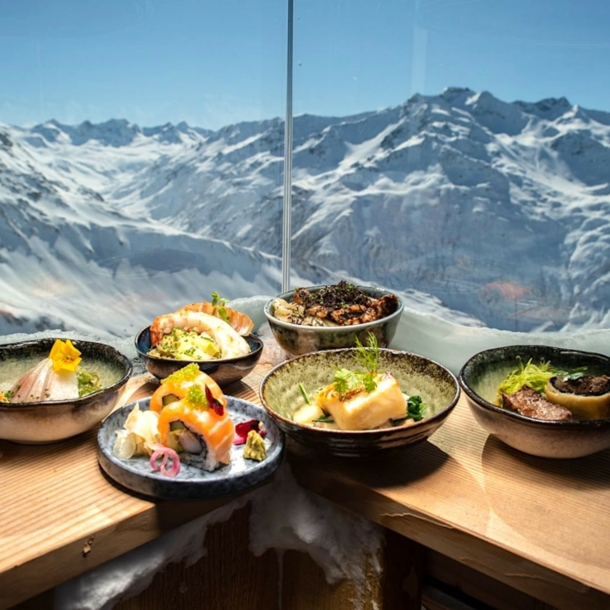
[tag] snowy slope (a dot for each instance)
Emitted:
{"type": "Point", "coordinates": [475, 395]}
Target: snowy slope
{"type": "Point", "coordinates": [460, 201]}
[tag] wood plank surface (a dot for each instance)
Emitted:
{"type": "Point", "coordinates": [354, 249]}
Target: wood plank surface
{"type": "Point", "coordinates": [540, 526]}
{"type": "Point", "coordinates": [61, 516]}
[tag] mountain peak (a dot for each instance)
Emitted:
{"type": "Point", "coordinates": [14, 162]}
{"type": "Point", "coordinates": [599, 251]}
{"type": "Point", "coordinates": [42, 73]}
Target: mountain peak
{"type": "Point", "coordinates": [549, 108]}
{"type": "Point", "coordinates": [456, 96]}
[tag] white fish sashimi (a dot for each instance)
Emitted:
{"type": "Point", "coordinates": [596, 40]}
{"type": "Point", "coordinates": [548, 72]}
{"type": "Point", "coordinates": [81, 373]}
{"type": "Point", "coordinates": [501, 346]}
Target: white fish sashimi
{"type": "Point", "coordinates": [41, 382]}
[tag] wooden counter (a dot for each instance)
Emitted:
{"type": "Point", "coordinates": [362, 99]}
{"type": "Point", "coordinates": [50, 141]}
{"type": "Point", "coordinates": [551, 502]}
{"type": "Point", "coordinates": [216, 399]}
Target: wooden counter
{"type": "Point", "coordinates": [540, 526]}
{"type": "Point", "coordinates": [61, 516]}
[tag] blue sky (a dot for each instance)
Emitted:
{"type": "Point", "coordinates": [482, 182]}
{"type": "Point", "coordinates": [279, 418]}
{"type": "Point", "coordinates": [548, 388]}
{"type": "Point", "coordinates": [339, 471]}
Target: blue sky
{"type": "Point", "coordinates": [214, 63]}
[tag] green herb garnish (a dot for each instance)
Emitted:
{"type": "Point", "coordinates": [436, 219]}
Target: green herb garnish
{"type": "Point", "coordinates": [576, 374]}
{"type": "Point", "coordinates": [325, 419]}
{"type": "Point", "coordinates": [88, 382]}
{"type": "Point", "coordinates": [219, 306]}
{"type": "Point", "coordinates": [368, 356]}
{"type": "Point", "coordinates": [305, 394]}
{"type": "Point", "coordinates": [351, 382]}
{"type": "Point", "coordinates": [415, 408]}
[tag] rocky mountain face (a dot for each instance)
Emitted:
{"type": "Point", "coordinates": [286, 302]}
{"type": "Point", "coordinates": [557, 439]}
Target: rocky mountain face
{"type": "Point", "coordinates": [476, 208]}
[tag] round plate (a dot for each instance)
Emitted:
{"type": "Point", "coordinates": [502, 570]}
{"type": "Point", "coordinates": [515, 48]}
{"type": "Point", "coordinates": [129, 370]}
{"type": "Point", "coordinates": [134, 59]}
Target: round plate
{"type": "Point", "coordinates": [192, 483]}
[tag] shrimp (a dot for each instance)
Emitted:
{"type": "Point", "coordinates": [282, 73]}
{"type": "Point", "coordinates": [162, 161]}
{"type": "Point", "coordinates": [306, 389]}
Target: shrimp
{"type": "Point", "coordinates": [231, 343]}
{"type": "Point", "coordinates": [239, 321]}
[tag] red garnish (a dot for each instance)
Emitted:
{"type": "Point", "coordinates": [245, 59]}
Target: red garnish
{"type": "Point", "coordinates": [241, 430]}
{"type": "Point", "coordinates": [165, 453]}
{"type": "Point", "coordinates": [213, 403]}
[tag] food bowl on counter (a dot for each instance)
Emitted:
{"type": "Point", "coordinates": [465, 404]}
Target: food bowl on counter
{"type": "Point", "coordinates": [289, 388]}
{"type": "Point", "coordinates": [49, 410]}
{"type": "Point", "coordinates": [571, 433]}
{"type": "Point", "coordinates": [297, 337]}
{"type": "Point", "coordinates": [224, 370]}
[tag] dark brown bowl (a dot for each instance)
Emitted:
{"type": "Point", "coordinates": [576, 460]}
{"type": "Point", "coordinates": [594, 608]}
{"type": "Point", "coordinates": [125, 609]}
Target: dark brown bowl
{"type": "Point", "coordinates": [224, 371]}
{"type": "Point", "coordinates": [53, 420]}
{"type": "Point", "coordinates": [481, 375]}
{"type": "Point", "coordinates": [281, 396]}
{"type": "Point", "coordinates": [298, 339]}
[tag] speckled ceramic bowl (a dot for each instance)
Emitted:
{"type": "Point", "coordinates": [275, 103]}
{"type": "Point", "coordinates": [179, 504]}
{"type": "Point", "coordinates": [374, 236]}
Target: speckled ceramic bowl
{"type": "Point", "coordinates": [297, 339]}
{"type": "Point", "coordinates": [281, 396]}
{"type": "Point", "coordinates": [480, 377]}
{"type": "Point", "coordinates": [224, 371]}
{"type": "Point", "coordinates": [54, 420]}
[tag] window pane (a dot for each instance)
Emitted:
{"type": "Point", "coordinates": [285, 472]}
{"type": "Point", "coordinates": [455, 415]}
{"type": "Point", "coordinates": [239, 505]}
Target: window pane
{"type": "Point", "coordinates": [457, 152]}
{"type": "Point", "coordinates": [141, 158]}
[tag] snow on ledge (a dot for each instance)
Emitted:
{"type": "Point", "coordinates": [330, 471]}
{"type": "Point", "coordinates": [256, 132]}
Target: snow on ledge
{"type": "Point", "coordinates": [284, 516]}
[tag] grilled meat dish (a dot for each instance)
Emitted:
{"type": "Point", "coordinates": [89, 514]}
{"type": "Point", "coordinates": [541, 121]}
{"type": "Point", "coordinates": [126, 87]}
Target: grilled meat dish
{"type": "Point", "coordinates": [530, 403]}
{"type": "Point", "coordinates": [587, 385]}
{"type": "Point", "coordinates": [344, 304]}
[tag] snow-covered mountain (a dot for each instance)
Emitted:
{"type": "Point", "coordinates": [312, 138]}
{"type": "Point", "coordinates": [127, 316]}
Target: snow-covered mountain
{"type": "Point", "coordinates": [480, 210]}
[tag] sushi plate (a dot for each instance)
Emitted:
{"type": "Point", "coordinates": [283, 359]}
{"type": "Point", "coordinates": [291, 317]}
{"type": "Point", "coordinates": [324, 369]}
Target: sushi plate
{"type": "Point", "coordinates": [191, 483]}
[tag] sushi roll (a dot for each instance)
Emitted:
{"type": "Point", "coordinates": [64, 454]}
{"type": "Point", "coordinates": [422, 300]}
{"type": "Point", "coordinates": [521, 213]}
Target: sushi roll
{"type": "Point", "coordinates": [176, 386]}
{"type": "Point", "coordinates": [200, 427]}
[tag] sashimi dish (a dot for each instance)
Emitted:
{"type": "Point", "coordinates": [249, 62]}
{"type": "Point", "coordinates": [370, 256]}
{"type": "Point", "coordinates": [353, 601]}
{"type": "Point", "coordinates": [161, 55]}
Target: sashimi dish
{"type": "Point", "coordinates": [187, 421]}
{"type": "Point", "coordinates": [60, 376]}
{"type": "Point", "coordinates": [362, 398]}
{"type": "Point", "coordinates": [201, 331]}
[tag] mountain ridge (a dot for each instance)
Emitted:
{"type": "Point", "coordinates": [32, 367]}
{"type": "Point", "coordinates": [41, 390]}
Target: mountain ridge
{"type": "Point", "coordinates": [392, 197]}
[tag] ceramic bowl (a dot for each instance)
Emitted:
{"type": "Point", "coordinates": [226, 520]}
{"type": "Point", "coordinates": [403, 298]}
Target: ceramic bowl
{"type": "Point", "coordinates": [281, 396]}
{"type": "Point", "coordinates": [54, 420]}
{"type": "Point", "coordinates": [223, 371]}
{"type": "Point", "coordinates": [480, 377]}
{"type": "Point", "coordinates": [298, 339]}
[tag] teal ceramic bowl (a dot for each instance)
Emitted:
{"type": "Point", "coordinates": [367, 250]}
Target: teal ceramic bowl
{"type": "Point", "coordinates": [298, 339]}
{"type": "Point", "coordinates": [281, 396]}
{"type": "Point", "coordinates": [53, 420]}
{"type": "Point", "coordinates": [479, 379]}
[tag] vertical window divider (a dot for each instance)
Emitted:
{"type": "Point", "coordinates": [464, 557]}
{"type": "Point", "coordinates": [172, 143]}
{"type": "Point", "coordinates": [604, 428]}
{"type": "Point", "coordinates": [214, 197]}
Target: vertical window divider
{"type": "Point", "coordinates": [287, 201]}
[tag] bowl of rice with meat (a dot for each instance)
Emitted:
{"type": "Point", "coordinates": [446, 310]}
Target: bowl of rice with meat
{"type": "Point", "coordinates": [334, 316]}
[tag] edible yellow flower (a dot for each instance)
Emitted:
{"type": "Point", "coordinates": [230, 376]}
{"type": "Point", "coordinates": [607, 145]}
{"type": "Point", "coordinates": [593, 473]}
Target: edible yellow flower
{"type": "Point", "coordinates": [65, 356]}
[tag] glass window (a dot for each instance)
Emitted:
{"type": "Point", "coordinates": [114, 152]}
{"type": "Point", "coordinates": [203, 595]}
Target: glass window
{"type": "Point", "coordinates": [457, 152]}
{"type": "Point", "coordinates": [141, 158]}
{"type": "Point", "coordinates": [453, 152]}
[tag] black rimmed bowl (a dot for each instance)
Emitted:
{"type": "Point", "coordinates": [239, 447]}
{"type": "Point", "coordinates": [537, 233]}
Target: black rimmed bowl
{"type": "Point", "coordinates": [54, 420]}
{"type": "Point", "coordinates": [224, 370]}
{"type": "Point", "coordinates": [481, 375]}
{"type": "Point", "coordinates": [298, 339]}
{"type": "Point", "coordinates": [281, 396]}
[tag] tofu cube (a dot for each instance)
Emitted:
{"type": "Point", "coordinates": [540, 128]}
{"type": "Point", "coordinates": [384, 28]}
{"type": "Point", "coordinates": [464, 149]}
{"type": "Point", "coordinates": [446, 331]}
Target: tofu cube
{"type": "Point", "coordinates": [365, 411]}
